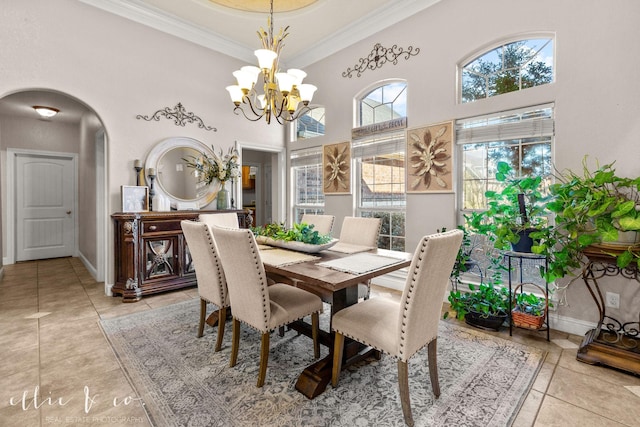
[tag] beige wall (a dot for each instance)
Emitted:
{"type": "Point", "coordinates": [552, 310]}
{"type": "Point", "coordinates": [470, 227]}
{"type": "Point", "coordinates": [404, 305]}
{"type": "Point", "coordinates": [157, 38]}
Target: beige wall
{"type": "Point", "coordinates": [595, 94]}
{"type": "Point", "coordinates": [121, 69]}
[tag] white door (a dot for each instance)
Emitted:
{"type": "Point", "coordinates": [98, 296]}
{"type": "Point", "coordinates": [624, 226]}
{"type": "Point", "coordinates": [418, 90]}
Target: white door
{"type": "Point", "coordinates": [45, 197]}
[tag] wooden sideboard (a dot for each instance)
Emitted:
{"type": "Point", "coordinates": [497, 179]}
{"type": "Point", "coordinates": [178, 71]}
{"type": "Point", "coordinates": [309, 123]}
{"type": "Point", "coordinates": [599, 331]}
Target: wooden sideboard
{"type": "Point", "coordinates": [151, 254]}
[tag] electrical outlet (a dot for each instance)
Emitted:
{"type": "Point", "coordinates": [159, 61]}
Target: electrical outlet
{"type": "Point", "coordinates": [613, 300]}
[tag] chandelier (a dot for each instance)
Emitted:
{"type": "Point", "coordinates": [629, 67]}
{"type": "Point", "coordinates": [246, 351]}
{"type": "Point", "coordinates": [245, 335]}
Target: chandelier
{"type": "Point", "coordinates": [284, 96]}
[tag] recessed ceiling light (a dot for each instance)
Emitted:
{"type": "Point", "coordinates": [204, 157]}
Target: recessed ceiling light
{"type": "Point", "coordinates": [46, 111]}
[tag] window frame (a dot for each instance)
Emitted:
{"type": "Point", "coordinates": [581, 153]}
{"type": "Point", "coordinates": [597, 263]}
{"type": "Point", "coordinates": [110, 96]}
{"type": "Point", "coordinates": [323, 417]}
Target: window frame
{"type": "Point", "coordinates": [488, 48]}
{"type": "Point", "coordinates": [306, 156]}
{"type": "Point", "coordinates": [361, 210]}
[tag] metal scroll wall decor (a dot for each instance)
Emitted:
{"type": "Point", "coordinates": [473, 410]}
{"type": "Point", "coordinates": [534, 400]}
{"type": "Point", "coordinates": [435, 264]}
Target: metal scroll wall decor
{"type": "Point", "coordinates": [179, 115]}
{"type": "Point", "coordinates": [379, 56]}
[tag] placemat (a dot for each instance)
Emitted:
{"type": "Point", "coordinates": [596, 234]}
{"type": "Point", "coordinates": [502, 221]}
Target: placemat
{"type": "Point", "coordinates": [360, 263]}
{"type": "Point", "coordinates": [348, 248]}
{"type": "Point", "coordinates": [281, 257]}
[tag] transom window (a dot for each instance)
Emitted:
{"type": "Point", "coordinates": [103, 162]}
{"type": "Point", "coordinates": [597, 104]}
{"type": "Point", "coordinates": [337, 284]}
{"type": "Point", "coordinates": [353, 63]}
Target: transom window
{"type": "Point", "coordinates": [511, 67]}
{"type": "Point", "coordinates": [383, 103]}
{"type": "Point", "coordinates": [310, 124]}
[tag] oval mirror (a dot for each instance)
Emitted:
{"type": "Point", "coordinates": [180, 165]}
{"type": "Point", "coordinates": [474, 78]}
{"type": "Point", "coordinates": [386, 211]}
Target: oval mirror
{"type": "Point", "coordinates": [174, 179]}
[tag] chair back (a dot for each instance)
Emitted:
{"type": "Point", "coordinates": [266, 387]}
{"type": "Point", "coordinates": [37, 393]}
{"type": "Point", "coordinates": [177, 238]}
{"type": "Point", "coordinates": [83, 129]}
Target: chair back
{"type": "Point", "coordinates": [212, 285]}
{"type": "Point", "coordinates": [360, 231]}
{"type": "Point", "coordinates": [226, 220]}
{"type": "Point", "coordinates": [246, 279]}
{"type": "Point", "coordinates": [421, 303]}
{"type": "Point", "coordinates": [323, 224]}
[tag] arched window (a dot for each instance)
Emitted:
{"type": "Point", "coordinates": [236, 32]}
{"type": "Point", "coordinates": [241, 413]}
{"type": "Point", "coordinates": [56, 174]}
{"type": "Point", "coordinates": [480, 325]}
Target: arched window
{"type": "Point", "coordinates": [380, 164]}
{"type": "Point", "coordinates": [507, 68]}
{"type": "Point", "coordinates": [310, 124]}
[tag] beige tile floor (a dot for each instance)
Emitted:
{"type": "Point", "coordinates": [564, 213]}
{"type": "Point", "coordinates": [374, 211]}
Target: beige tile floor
{"type": "Point", "coordinates": [57, 368]}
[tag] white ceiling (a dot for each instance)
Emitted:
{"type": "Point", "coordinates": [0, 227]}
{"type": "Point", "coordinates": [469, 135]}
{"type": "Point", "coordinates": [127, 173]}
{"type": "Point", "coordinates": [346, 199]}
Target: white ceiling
{"type": "Point", "coordinates": [315, 32]}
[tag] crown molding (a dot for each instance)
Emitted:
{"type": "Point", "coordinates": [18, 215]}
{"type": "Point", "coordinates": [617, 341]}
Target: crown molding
{"type": "Point", "coordinates": [368, 25]}
{"type": "Point", "coordinates": [144, 14]}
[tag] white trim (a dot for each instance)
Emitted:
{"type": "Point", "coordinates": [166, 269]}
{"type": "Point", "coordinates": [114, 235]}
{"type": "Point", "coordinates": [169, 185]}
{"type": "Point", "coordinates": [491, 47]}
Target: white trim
{"type": "Point", "coordinates": [92, 270]}
{"type": "Point", "coordinates": [12, 154]}
{"type": "Point", "coordinates": [368, 25]}
{"type": "Point", "coordinates": [101, 205]}
{"type": "Point", "coordinates": [145, 14]}
{"type": "Point", "coordinates": [278, 192]}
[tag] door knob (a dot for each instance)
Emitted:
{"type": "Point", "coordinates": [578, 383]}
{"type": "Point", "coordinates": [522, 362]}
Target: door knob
{"type": "Point", "coordinates": [68, 212]}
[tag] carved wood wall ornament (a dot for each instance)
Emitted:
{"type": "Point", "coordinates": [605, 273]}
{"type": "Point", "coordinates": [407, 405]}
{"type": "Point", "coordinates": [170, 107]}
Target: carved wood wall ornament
{"type": "Point", "coordinates": [179, 115]}
{"type": "Point", "coordinates": [379, 56]}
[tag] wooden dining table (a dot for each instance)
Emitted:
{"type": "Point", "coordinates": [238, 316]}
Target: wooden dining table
{"type": "Point", "coordinates": [342, 287]}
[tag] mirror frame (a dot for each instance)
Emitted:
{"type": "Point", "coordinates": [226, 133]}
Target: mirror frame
{"type": "Point", "coordinates": [164, 146]}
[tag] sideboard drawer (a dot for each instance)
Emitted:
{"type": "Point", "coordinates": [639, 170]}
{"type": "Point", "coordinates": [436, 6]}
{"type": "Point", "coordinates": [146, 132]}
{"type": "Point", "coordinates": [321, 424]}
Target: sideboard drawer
{"type": "Point", "coordinates": [160, 226]}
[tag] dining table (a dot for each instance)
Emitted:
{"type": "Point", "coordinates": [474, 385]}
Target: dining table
{"type": "Point", "coordinates": [335, 273]}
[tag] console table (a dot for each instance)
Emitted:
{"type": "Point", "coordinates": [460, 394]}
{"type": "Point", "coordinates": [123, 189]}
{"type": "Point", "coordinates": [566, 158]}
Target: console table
{"type": "Point", "coordinates": [151, 254]}
{"type": "Point", "coordinates": [612, 342]}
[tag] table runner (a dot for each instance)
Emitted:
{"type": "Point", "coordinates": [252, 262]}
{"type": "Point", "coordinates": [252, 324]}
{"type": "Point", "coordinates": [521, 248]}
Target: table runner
{"type": "Point", "coordinates": [360, 263]}
{"type": "Point", "coordinates": [281, 257]}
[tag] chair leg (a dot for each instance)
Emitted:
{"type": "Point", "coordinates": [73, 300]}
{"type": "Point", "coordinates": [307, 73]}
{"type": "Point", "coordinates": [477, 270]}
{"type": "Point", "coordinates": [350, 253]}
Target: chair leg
{"type": "Point", "coordinates": [235, 342]}
{"type": "Point", "coordinates": [203, 313]}
{"type": "Point", "coordinates": [315, 321]}
{"type": "Point", "coordinates": [432, 356]}
{"type": "Point", "coordinates": [403, 384]}
{"type": "Point", "coordinates": [222, 316]}
{"type": "Point", "coordinates": [338, 348]}
{"type": "Point", "coordinates": [264, 358]}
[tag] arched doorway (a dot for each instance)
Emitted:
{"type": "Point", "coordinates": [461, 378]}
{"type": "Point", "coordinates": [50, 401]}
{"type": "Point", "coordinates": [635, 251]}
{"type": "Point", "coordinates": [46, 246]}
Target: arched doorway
{"type": "Point", "coordinates": [76, 132]}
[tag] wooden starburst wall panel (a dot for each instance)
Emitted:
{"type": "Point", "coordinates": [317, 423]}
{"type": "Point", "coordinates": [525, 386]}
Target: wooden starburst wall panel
{"type": "Point", "coordinates": [336, 167]}
{"type": "Point", "coordinates": [430, 158]}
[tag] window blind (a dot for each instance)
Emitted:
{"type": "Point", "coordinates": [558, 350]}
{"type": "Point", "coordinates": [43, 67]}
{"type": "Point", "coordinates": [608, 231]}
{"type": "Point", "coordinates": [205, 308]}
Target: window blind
{"type": "Point", "coordinates": [387, 143]}
{"type": "Point", "coordinates": [527, 122]}
{"type": "Point", "coordinates": [306, 157]}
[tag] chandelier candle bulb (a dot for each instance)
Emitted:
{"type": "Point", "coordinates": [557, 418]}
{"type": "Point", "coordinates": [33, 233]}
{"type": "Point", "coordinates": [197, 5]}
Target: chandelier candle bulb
{"type": "Point", "coordinates": [265, 58]}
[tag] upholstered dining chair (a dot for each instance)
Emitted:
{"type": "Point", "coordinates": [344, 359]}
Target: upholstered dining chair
{"type": "Point", "coordinates": [227, 219]}
{"type": "Point", "coordinates": [401, 328]}
{"type": "Point", "coordinates": [212, 286]}
{"type": "Point", "coordinates": [264, 308]}
{"type": "Point", "coordinates": [359, 231]}
{"type": "Point", "coordinates": [323, 224]}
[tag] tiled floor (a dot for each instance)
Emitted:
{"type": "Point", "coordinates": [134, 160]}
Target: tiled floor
{"type": "Point", "coordinates": [54, 350]}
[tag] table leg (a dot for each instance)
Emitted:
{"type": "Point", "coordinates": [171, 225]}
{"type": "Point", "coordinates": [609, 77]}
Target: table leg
{"type": "Point", "coordinates": [314, 379]}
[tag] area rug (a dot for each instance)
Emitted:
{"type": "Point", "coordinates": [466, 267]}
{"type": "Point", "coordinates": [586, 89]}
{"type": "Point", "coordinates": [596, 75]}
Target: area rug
{"type": "Point", "coordinates": [483, 379]}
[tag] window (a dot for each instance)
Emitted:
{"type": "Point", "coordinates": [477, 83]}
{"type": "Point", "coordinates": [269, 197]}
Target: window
{"type": "Point", "coordinates": [520, 137]}
{"type": "Point", "coordinates": [310, 124]}
{"type": "Point", "coordinates": [380, 164]}
{"type": "Point", "coordinates": [383, 103]}
{"type": "Point", "coordinates": [306, 169]}
{"type": "Point", "coordinates": [511, 67]}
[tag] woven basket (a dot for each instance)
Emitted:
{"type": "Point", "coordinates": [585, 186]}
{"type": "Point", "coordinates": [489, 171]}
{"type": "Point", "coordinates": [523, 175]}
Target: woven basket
{"type": "Point", "coordinates": [526, 320]}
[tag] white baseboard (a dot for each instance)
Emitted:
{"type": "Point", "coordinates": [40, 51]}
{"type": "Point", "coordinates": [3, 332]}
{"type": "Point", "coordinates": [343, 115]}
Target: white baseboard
{"type": "Point", "coordinates": [107, 289]}
{"type": "Point", "coordinates": [92, 270]}
{"type": "Point", "coordinates": [5, 261]}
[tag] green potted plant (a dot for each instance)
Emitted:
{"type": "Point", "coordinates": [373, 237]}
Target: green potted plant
{"type": "Point", "coordinates": [529, 310]}
{"type": "Point", "coordinates": [596, 207]}
{"type": "Point", "coordinates": [464, 261]}
{"type": "Point", "coordinates": [485, 306]}
{"type": "Point", "coordinates": [516, 215]}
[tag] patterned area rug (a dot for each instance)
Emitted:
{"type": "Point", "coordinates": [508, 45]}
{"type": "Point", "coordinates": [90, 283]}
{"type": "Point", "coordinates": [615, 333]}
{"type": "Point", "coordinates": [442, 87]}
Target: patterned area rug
{"type": "Point", "coordinates": [483, 379]}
